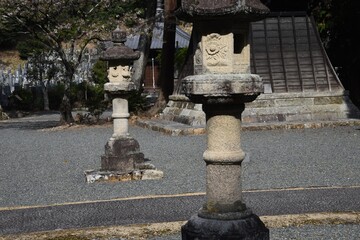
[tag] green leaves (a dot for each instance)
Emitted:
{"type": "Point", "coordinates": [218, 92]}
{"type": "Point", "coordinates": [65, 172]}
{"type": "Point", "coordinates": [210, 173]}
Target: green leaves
{"type": "Point", "coordinates": [60, 21]}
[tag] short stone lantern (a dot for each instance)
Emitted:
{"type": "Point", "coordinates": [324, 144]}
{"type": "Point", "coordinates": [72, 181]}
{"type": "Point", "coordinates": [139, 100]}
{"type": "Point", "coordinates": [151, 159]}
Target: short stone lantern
{"type": "Point", "coordinates": [122, 160]}
{"type": "Point", "coordinates": [222, 82]}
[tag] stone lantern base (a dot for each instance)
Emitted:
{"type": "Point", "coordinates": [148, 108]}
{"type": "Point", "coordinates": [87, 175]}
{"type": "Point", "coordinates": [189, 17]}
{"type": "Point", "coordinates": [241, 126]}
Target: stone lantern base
{"type": "Point", "coordinates": [148, 172]}
{"type": "Point", "coordinates": [250, 227]}
{"type": "Point", "coordinates": [122, 154]}
{"type": "Point", "coordinates": [123, 161]}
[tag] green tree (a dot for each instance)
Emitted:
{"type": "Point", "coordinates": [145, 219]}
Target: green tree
{"type": "Point", "coordinates": [42, 67]}
{"type": "Point", "coordinates": [67, 27]}
{"type": "Point", "coordinates": [338, 23]}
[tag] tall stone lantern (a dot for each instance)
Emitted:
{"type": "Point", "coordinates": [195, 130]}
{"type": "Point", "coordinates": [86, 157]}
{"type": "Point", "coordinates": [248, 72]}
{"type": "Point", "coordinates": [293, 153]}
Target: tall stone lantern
{"type": "Point", "coordinates": [122, 160]}
{"type": "Point", "coordinates": [222, 82]}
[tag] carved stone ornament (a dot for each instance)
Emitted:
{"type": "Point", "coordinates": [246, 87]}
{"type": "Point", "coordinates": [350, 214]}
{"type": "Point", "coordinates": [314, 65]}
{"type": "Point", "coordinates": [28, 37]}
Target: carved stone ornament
{"type": "Point", "coordinates": [119, 74]}
{"type": "Point", "coordinates": [217, 53]}
{"type": "Point", "coordinates": [216, 50]}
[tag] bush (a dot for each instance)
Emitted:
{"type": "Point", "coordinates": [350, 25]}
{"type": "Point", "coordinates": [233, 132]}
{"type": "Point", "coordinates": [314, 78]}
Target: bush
{"type": "Point", "coordinates": [22, 99]}
{"type": "Point", "coordinates": [95, 102]}
{"type": "Point", "coordinates": [56, 94]}
{"type": "Point", "coordinates": [99, 72]}
{"type": "Point", "coordinates": [137, 102]}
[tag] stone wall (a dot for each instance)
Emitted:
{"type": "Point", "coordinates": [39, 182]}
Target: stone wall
{"type": "Point", "coordinates": [274, 107]}
{"type": "Point", "coordinates": [181, 109]}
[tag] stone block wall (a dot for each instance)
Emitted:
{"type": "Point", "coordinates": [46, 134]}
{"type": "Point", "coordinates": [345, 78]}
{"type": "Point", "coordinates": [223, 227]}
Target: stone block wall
{"type": "Point", "coordinates": [274, 107]}
{"type": "Point", "coordinates": [181, 109]}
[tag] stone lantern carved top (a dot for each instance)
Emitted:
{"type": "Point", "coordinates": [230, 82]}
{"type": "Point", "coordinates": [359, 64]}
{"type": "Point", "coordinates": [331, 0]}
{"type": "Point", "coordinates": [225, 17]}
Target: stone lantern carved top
{"type": "Point", "coordinates": [119, 51]}
{"type": "Point", "coordinates": [250, 10]}
{"type": "Point", "coordinates": [119, 59]}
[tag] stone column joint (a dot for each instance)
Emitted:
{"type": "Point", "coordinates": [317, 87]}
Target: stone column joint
{"type": "Point", "coordinates": [120, 115]}
{"type": "Point", "coordinates": [223, 158]}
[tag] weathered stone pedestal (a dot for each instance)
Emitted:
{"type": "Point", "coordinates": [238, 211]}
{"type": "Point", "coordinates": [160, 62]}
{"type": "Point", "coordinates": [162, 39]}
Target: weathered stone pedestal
{"type": "Point", "coordinates": [122, 160]}
{"type": "Point", "coordinates": [249, 227]}
{"type": "Point", "coordinates": [223, 84]}
{"type": "Point", "coordinates": [224, 215]}
{"type": "Point", "coordinates": [122, 152]}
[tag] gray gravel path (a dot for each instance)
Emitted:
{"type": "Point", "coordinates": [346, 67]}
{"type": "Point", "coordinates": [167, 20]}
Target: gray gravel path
{"type": "Point", "coordinates": [45, 167]}
{"type": "Point", "coordinates": [321, 232]}
{"type": "Point", "coordinates": [40, 167]}
{"type": "Point", "coordinates": [172, 209]}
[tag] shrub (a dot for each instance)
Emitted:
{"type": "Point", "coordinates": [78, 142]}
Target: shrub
{"type": "Point", "coordinates": [56, 94]}
{"type": "Point", "coordinates": [22, 99]}
{"type": "Point", "coordinates": [95, 102]}
{"type": "Point", "coordinates": [137, 102]}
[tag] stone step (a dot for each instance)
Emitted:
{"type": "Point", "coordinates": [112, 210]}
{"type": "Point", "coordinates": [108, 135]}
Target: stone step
{"type": "Point", "coordinates": [170, 127]}
{"type": "Point", "coordinates": [178, 129]}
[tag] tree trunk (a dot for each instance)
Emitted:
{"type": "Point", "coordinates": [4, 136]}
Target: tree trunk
{"type": "Point", "coordinates": [44, 91]}
{"type": "Point", "coordinates": [140, 64]}
{"type": "Point", "coordinates": [46, 98]}
{"type": "Point", "coordinates": [168, 50]}
{"type": "Point", "coordinates": [65, 110]}
{"type": "Point", "coordinates": [159, 105]}
{"type": "Point", "coordinates": [166, 76]}
{"type": "Point", "coordinates": [65, 106]}
{"type": "Point", "coordinates": [1, 113]}
{"type": "Point", "coordinates": [144, 46]}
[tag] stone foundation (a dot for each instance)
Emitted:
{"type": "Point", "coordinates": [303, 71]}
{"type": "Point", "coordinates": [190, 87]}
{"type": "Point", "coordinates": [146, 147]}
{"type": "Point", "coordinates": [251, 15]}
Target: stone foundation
{"type": "Point", "coordinates": [249, 227]}
{"type": "Point", "coordinates": [274, 107]}
{"type": "Point", "coordinates": [141, 173]}
{"type": "Point", "coordinates": [121, 154]}
{"type": "Point", "coordinates": [123, 161]}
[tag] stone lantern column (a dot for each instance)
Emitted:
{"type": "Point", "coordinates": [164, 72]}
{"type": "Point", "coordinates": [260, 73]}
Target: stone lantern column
{"type": "Point", "coordinates": [222, 82]}
{"type": "Point", "coordinates": [122, 160]}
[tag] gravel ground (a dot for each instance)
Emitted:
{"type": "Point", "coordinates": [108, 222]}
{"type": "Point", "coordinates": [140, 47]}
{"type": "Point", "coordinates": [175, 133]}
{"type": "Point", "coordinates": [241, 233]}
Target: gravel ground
{"type": "Point", "coordinates": [321, 232]}
{"type": "Point", "coordinates": [39, 167]}
{"type": "Point", "coordinates": [46, 167]}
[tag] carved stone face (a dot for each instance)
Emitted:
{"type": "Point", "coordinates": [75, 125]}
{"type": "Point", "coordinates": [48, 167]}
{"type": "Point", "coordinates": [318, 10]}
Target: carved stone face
{"type": "Point", "coordinates": [119, 73]}
{"type": "Point", "coordinates": [217, 53]}
{"type": "Point", "coordinates": [224, 51]}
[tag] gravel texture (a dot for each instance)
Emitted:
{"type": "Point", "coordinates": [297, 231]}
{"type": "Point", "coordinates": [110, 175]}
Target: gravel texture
{"type": "Point", "coordinates": [46, 167]}
{"type": "Point", "coordinates": [320, 232]}
{"type": "Point", "coordinates": [328, 232]}
{"type": "Point", "coordinates": [40, 166]}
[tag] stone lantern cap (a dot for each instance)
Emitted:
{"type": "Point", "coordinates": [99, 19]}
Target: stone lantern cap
{"type": "Point", "coordinates": [247, 10]}
{"type": "Point", "coordinates": [119, 52]}
{"type": "Point", "coordinates": [206, 88]}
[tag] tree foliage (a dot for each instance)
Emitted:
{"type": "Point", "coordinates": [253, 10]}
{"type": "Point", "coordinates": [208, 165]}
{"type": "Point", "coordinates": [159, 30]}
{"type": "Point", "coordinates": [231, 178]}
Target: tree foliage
{"type": "Point", "coordinates": [338, 24]}
{"type": "Point", "coordinates": [67, 27]}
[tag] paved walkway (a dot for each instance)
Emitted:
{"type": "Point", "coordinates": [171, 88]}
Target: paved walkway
{"type": "Point", "coordinates": [302, 170]}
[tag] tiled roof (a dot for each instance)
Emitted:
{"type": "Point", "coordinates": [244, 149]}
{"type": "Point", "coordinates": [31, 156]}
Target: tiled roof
{"type": "Point", "coordinates": [287, 53]}
{"type": "Point", "coordinates": [182, 38]}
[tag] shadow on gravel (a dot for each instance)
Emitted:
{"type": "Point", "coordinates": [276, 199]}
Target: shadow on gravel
{"type": "Point", "coordinates": [29, 125]}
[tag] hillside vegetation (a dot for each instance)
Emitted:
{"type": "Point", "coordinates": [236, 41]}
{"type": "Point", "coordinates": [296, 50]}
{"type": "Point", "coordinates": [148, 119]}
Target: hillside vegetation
{"type": "Point", "coordinates": [10, 59]}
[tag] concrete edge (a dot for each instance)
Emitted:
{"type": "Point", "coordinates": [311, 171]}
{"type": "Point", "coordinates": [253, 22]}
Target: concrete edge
{"type": "Point", "coordinates": [178, 129]}
{"type": "Point", "coordinates": [144, 231]}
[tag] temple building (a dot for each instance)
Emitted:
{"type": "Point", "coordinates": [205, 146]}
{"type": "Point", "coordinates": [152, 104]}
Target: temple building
{"type": "Point", "coordinates": [300, 82]}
